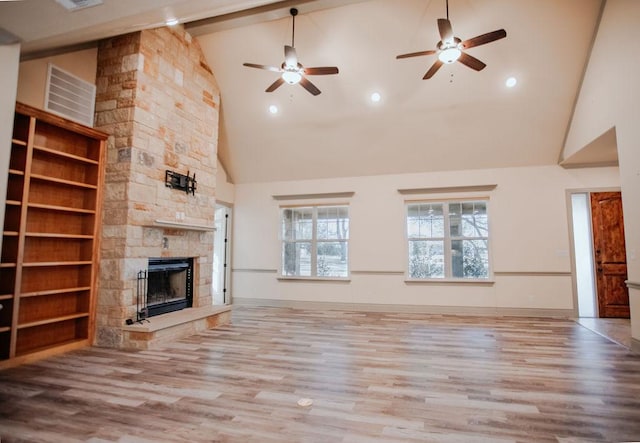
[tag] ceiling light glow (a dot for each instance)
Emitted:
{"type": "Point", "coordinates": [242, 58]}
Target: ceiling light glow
{"type": "Point", "coordinates": [376, 97]}
{"type": "Point", "coordinates": [511, 82]}
{"type": "Point", "coordinates": [273, 109]}
{"type": "Point", "coordinates": [291, 77]}
{"type": "Point", "coordinates": [449, 55]}
{"type": "Point", "coordinates": [172, 21]}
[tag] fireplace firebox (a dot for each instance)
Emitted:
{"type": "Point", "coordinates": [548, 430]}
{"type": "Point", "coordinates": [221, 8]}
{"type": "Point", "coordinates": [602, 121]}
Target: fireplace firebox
{"type": "Point", "coordinates": [165, 286]}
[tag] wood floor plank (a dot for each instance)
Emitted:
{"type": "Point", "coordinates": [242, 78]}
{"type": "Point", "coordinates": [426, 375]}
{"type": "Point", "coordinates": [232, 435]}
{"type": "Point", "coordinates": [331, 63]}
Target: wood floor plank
{"type": "Point", "coordinates": [373, 378]}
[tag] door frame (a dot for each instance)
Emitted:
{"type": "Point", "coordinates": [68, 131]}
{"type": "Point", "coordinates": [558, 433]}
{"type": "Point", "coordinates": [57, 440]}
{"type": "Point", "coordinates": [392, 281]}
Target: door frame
{"type": "Point", "coordinates": [227, 295]}
{"type": "Point", "coordinates": [572, 248]}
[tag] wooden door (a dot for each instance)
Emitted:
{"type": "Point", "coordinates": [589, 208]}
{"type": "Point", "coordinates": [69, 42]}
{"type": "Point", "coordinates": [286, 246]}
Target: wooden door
{"type": "Point", "coordinates": [610, 255]}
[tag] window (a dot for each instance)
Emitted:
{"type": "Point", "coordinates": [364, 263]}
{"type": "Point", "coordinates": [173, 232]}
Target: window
{"type": "Point", "coordinates": [315, 241]}
{"type": "Point", "coordinates": [448, 240]}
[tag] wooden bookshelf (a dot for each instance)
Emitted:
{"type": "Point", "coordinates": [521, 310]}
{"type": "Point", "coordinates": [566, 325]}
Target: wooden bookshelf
{"type": "Point", "coordinates": [50, 247]}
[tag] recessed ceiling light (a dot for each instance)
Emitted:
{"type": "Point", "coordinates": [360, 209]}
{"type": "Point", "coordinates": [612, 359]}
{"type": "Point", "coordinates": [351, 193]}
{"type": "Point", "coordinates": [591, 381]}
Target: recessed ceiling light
{"type": "Point", "coordinates": [273, 109]}
{"type": "Point", "coordinates": [511, 82]}
{"type": "Point", "coordinates": [376, 97]}
{"type": "Point", "coordinates": [172, 21]}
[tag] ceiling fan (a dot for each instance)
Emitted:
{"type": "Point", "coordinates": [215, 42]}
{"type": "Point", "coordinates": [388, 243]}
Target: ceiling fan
{"type": "Point", "coordinates": [451, 49]}
{"type": "Point", "coordinates": [291, 70]}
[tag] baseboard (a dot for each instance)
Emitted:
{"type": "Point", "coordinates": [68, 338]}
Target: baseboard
{"type": "Point", "coordinates": [423, 309]}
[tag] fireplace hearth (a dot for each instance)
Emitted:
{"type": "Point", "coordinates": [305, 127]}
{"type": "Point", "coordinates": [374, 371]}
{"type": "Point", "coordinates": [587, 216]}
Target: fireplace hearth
{"type": "Point", "coordinates": [165, 286]}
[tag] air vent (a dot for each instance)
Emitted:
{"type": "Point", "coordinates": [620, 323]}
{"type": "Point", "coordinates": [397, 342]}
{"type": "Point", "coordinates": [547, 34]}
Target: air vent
{"type": "Point", "coordinates": [74, 5]}
{"type": "Point", "coordinates": [70, 96]}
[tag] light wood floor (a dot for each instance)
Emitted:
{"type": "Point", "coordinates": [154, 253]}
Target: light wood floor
{"type": "Point", "coordinates": [615, 329]}
{"type": "Point", "coordinates": [372, 378]}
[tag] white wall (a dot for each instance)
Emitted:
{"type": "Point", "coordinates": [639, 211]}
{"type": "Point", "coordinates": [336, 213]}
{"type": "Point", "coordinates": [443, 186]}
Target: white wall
{"type": "Point", "coordinates": [225, 191]}
{"type": "Point", "coordinates": [609, 97]}
{"type": "Point", "coordinates": [529, 239]}
{"type": "Point", "coordinates": [10, 56]}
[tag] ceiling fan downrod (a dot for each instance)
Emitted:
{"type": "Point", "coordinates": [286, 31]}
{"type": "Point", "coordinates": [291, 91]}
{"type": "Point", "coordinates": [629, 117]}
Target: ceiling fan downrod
{"type": "Point", "coordinates": [294, 12]}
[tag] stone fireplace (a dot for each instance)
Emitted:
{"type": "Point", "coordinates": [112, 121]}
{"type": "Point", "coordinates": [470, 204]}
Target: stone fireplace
{"type": "Point", "coordinates": [159, 101]}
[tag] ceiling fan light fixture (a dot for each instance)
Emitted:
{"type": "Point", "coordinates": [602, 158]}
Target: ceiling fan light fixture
{"type": "Point", "coordinates": [449, 55]}
{"type": "Point", "coordinates": [291, 77]}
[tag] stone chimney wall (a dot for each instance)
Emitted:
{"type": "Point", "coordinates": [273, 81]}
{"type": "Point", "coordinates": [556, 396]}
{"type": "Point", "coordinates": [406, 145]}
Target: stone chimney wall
{"type": "Point", "coordinates": [159, 100]}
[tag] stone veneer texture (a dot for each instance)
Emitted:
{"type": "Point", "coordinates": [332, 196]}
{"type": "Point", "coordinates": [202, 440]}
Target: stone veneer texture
{"type": "Point", "coordinates": [159, 100]}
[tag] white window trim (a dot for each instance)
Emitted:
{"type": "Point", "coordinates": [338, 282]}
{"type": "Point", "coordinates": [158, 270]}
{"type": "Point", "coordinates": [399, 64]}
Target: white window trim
{"type": "Point", "coordinates": [314, 245]}
{"type": "Point", "coordinates": [490, 280]}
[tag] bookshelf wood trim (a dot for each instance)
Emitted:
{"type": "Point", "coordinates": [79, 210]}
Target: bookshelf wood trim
{"type": "Point", "coordinates": [62, 122]}
{"type": "Point", "coordinates": [45, 264]}
{"type": "Point", "coordinates": [61, 208]}
{"type": "Point", "coordinates": [44, 352]}
{"type": "Point", "coordinates": [21, 239]}
{"type": "Point", "coordinates": [56, 235]}
{"type": "Point", "coordinates": [54, 291]}
{"type": "Point", "coordinates": [53, 320]}
{"type": "Point", "coordinates": [62, 181]}
{"type": "Point", "coordinates": [65, 155]}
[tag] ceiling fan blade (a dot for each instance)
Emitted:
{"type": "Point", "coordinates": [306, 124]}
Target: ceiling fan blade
{"type": "Point", "coordinates": [434, 68]}
{"type": "Point", "coordinates": [290, 56]}
{"type": "Point", "coordinates": [416, 54]}
{"type": "Point", "coordinates": [471, 62]}
{"type": "Point", "coordinates": [446, 31]}
{"type": "Point", "coordinates": [275, 85]}
{"type": "Point", "coordinates": [484, 38]}
{"type": "Point", "coordinates": [268, 68]}
{"type": "Point", "coordinates": [306, 84]}
{"type": "Point", "coordinates": [324, 70]}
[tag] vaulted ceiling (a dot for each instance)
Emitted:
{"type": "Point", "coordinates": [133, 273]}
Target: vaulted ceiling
{"type": "Point", "coordinates": [459, 119]}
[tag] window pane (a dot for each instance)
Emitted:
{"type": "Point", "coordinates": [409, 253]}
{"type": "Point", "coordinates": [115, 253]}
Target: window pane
{"type": "Point", "coordinates": [296, 259]}
{"type": "Point", "coordinates": [426, 259]}
{"type": "Point", "coordinates": [297, 224]}
{"type": "Point", "coordinates": [434, 221]}
{"type": "Point", "coordinates": [470, 258]}
{"type": "Point", "coordinates": [413, 227]}
{"type": "Point", "coordinates": [455, 212]}
{"type": "Point", "coordinates": [425, 221]}
{"type": "Point", "coordinates": [287, 224]}
{"type": "Point", "coordinates": [303, 224]}
{"type": "Point", "coordinates": [474, 219]}
{"type": "Point", "coordinates": [333, 223]}
{"type": "Point", "coordinates": [342, 222]}
{"type": "Point", "coordinates": [332, 259]}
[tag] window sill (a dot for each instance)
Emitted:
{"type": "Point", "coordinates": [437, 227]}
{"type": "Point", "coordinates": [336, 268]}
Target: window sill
{"type": "Point", "coordinates": [449, 281]}
{"type": "Point", "coordinates": [316, 279]}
